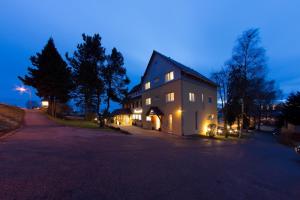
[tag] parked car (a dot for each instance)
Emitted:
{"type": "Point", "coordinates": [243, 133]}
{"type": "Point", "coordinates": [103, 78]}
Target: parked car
{"type": "Point", "coordinates": [297, 149]}
{"type": "Point", "coordinates": [220, 130]}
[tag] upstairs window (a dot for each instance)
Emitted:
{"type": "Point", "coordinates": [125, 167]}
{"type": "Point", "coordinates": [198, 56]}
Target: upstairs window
{"type": "Point", "coordinates": [170, 97]}
{"type": "Point", "coordinates": [148, 101]}
{"type": "Point", "coordinates": [209, 100]}
{"type": "Point", "coordinates": [147, 85]}
{"type": "Point", "coordinates": [169, 76]}
{"type": "Point", "coordinates": [192, 97]}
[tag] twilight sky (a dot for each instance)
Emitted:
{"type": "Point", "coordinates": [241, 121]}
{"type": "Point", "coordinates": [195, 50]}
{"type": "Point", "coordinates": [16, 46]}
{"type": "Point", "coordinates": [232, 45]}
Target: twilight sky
{"type": "Point", "coordinates": [197, 33]}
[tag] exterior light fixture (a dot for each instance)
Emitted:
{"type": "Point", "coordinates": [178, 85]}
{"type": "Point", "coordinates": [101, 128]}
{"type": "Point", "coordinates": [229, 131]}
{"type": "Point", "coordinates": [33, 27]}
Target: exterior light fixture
{"type": "Point", "coordinates": [45, 104]}
{"type": "Point", "coordinates": [137, 111]}
{"type": "Point", "coordinates": [22, 90]}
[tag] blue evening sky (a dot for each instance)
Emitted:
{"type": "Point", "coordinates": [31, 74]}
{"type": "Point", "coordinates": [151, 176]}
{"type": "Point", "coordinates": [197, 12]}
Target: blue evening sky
{"type": "Point", "coordinates": [197, 33]}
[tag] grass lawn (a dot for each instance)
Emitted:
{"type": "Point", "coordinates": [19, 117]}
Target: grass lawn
{"type": "Point", "coordinates": [11, 118]}
{"type": "Point", "coordinates": [79, 123]}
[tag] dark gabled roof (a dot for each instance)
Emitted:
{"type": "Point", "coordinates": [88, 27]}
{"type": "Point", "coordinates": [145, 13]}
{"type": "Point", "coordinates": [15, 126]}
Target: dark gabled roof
{"type": "Point", "coordinates": [154, 111]}
{"type": "Point", "coordinates": [135, 88]}
{"type": "Point", "coordinates": [183, 68]}
{"type": "Point", "coordinates": [122, 111]}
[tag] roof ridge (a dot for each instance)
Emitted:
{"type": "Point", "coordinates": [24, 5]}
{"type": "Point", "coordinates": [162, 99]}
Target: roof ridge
{"type": "Point", "coordinates": [186, 68]}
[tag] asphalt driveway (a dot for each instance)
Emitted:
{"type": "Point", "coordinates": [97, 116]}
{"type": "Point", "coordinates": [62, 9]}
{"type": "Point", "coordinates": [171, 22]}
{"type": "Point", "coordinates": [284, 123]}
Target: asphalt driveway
{"type": "Point", "coordinates": [44, 160]}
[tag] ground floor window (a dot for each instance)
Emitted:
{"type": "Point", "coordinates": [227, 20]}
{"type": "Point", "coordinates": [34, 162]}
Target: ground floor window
{"type": "Point", "coordinates": [137, 116]}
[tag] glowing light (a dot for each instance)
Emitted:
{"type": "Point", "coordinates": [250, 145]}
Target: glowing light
{"type": "Point", "coordinates": [21, 89]}
{"type": "Point", "coordinates": [137, 111]}
{"type": "Point", "coordinates": [148, 118]}
{"type": "Point", "coordinates": [179, 111]}
{"type": "Point", "coordinates": [45, 104]}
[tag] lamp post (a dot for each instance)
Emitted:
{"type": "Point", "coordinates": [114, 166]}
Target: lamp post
{"type": "Point", "coordinates": [242, 109]}
{"type": "Point", "coordinates": [22, 90]}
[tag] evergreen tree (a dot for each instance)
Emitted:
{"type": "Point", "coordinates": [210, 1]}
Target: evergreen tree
{"type": "Point", "coordinates": [87, 64]}
{"type": "Point", "coordinates": [291, 109]}
{"type": "Point", "coordinates": [115, 78]}
{"type": "Point", "coordinates": [50, 76]}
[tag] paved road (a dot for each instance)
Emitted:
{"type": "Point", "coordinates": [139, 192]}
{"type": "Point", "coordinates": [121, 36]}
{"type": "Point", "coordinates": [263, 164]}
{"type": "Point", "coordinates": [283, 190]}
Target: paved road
{"type": "Point", "coordinates": [47, 161]}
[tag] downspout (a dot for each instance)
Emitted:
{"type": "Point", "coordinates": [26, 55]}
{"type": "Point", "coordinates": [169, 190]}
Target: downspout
{"type": "Point", "coordinates": [181, 103]}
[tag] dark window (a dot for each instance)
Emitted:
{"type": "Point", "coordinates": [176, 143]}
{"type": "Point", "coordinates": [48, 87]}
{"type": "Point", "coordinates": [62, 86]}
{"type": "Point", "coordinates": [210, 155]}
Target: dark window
{"type": "Point", "coordinates": [209, 100]}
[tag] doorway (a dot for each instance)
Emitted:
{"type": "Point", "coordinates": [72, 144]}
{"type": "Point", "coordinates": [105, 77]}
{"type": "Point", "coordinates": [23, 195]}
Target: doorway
{"type": "Point", "coordinates": [170, 123]}
{"type": "Point", "coordinates": [156, 124]}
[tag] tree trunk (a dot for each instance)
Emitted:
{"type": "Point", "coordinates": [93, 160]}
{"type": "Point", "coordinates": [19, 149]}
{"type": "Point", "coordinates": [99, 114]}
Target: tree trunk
{"type": "Point", "coordinates": [239, 126]}
{"type": "Point", "coordinates": [259, 118]}
{"type": "Point", "coordinates": [107, 104]}
{"type": "Point", "coordinates": [108, 97]}
{"type": "Point", "coordinates": [100, 118]}
{"type": "Point", "coordinates": [225, 127]}
{"type": "Point", "coordinates": [54, 107]}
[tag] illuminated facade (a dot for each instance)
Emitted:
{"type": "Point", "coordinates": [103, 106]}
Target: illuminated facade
{"type": "Point", "coordinates": [171, 98]}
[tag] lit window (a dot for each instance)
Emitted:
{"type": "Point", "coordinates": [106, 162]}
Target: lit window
{"type": "Point", "coordinates": [209, 100]}
{"type": "Point", "coordinates": [191, 97]}
{"type": "Point", "coordinates": [170, 97]}
{"type": "Point", "coordinates": [148, 118]}
{"type": "Point", "coordinates": [148, 101]}
{"type": "Point", "coordinates": [169, 76]}
{"type": "Point", "coordinates": [202, 97]}
{"type": "Point", "coordinates": [147, 85]}
{"type": "Point", "coordinates": [137, 116]}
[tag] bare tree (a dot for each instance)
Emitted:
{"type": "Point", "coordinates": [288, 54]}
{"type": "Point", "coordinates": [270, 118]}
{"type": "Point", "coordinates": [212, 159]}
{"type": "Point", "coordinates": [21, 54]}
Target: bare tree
{"type": "Point", "coordinates": [221, 79]}
{"type": "Point", "coordinates": [247, 85]}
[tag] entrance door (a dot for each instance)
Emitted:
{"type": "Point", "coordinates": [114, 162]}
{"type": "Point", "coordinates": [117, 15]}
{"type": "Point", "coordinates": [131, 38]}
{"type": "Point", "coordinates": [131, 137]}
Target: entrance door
{"type": "Point", "coordinates": [157, 123]}
{"type": "Point", "coordinates": [170, 124]}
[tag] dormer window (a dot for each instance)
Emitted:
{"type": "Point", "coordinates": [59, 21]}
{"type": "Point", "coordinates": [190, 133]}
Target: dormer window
{"type": "Point", "coordinates": [147, 85]}
{"type": "Point", "coordinates": [169, 76]}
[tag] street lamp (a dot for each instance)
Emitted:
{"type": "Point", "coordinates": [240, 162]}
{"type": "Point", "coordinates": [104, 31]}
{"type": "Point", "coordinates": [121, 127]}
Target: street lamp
{"type": "Point", "coordinates": [22, 90]}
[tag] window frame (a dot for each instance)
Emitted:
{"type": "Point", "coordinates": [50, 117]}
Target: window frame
{"type": "Point", "coordinates": [147, 85]}
{"type": "Point", "coordinates": [168, 76]}
{"type": "Point", "coordinates": [192, 97]}
{"type": "Point", "coordinates": [170, 97]}
{"type": "Point", "coordinates": [148, 101]}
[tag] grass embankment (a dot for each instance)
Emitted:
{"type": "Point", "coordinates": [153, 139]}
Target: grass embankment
{"type": "Point", "coordinates": [79, 123]}
{"type": "Point", "coordinates": [11, 118]}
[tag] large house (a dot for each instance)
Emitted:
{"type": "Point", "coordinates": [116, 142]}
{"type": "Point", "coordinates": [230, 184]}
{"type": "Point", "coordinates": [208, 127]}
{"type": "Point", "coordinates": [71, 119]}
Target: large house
{"type": "Point", "coordinates": [171, 98]}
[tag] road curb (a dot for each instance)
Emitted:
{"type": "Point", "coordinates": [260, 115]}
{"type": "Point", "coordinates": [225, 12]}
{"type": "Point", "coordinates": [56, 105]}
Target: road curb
{"type": "Point", "coordinates": [10, 133]}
